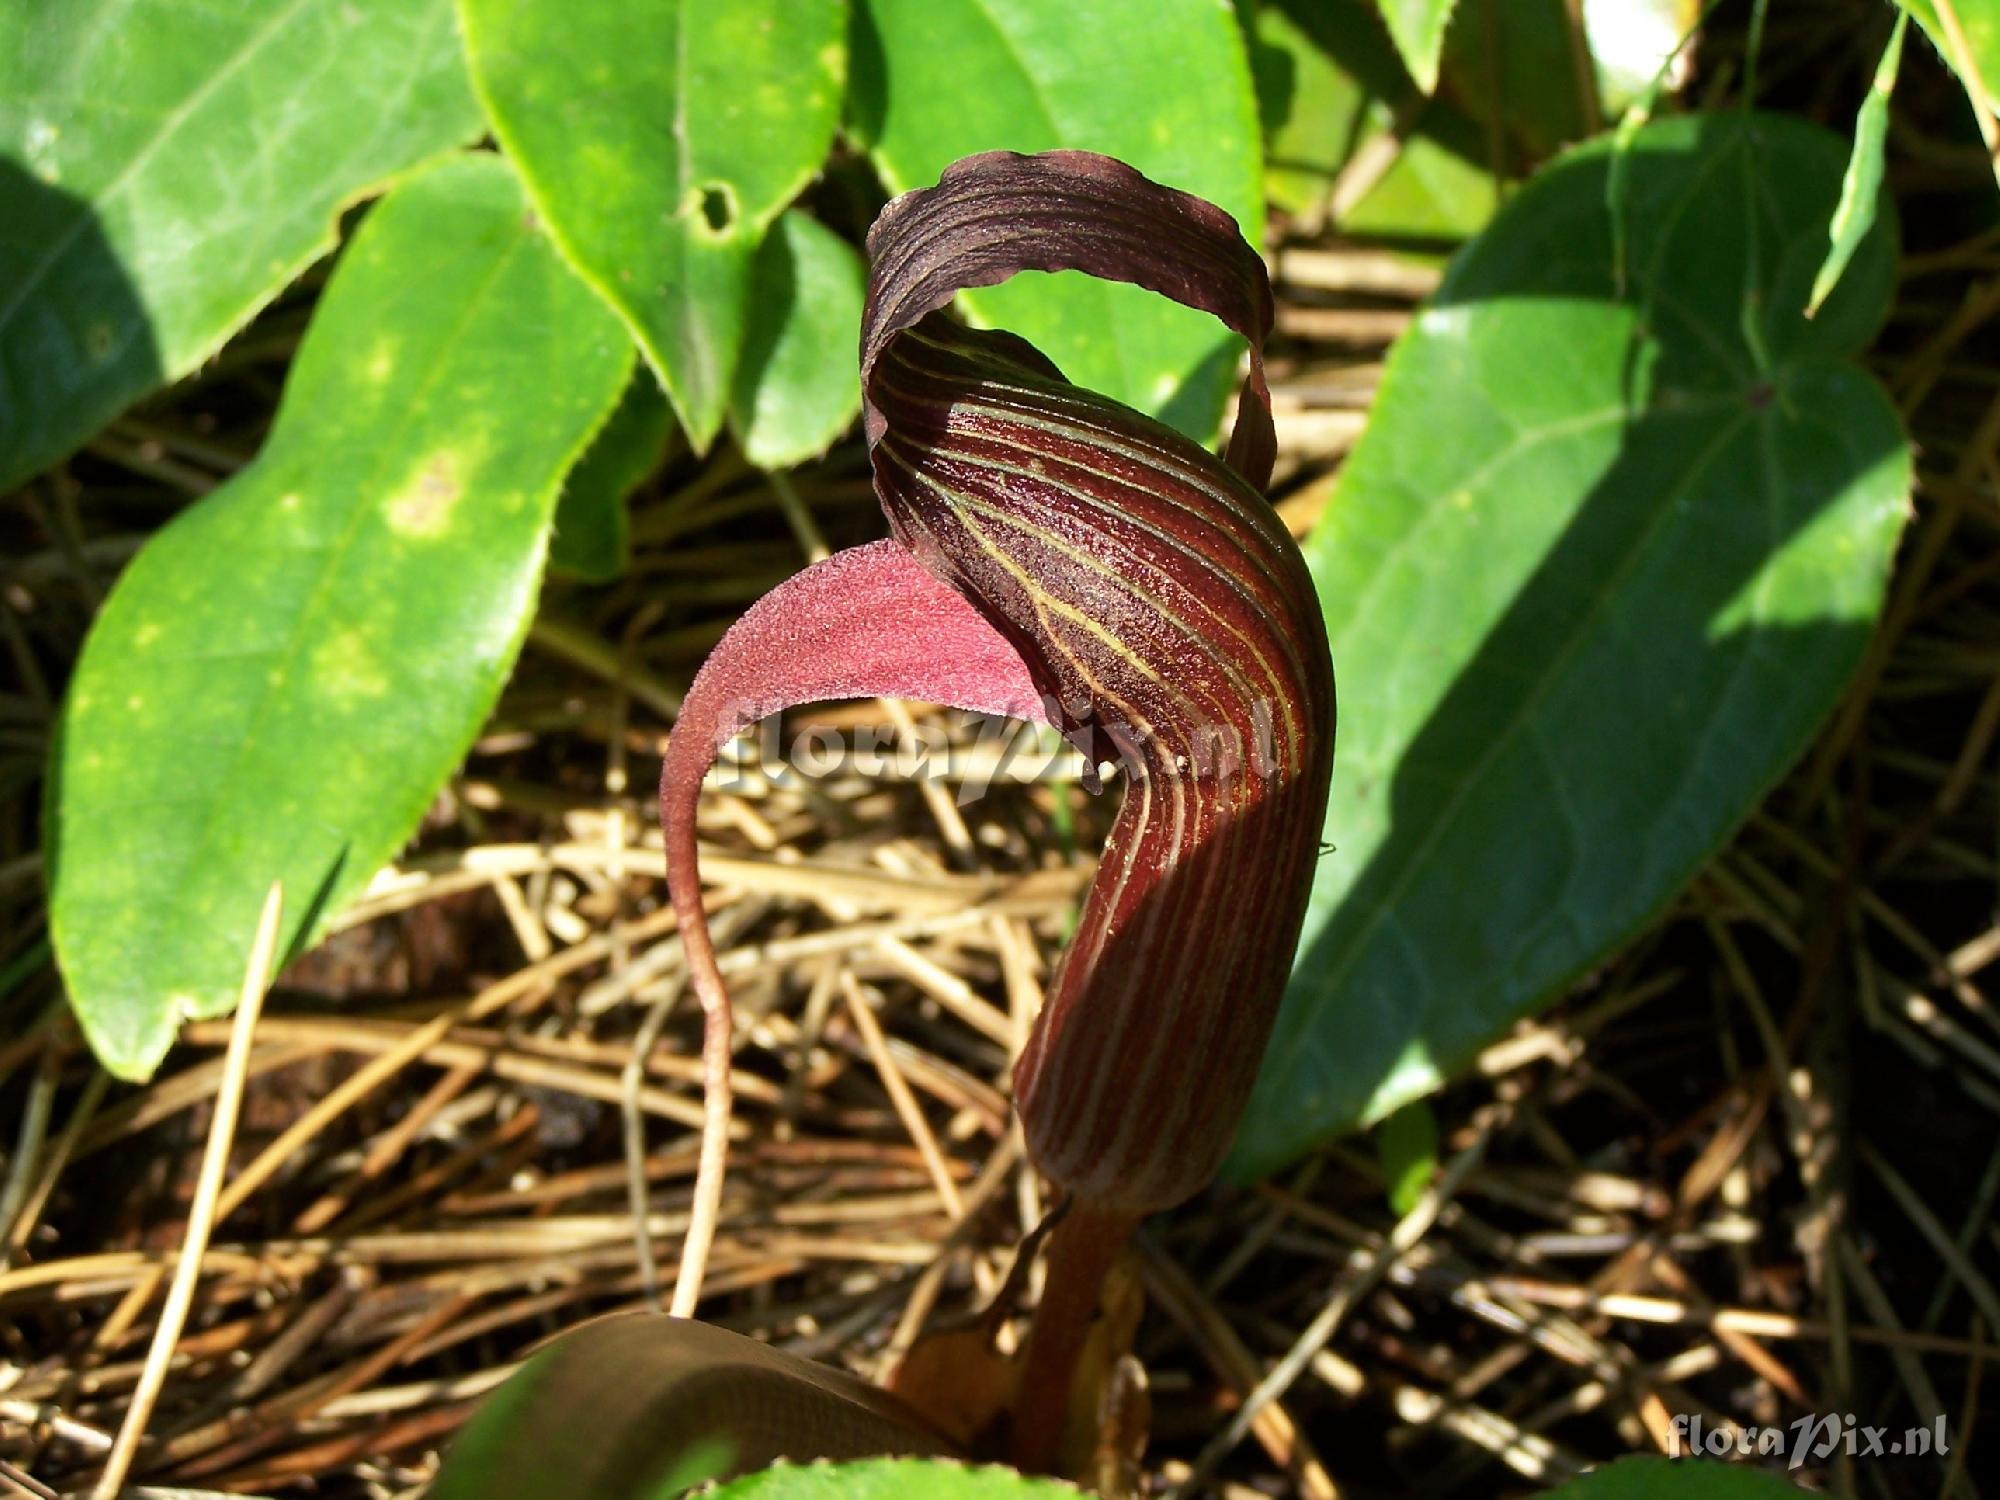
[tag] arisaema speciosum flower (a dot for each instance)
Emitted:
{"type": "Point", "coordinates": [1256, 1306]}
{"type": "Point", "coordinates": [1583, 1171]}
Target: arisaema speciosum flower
{"type": "Point", "coordinates": [1057, 557]}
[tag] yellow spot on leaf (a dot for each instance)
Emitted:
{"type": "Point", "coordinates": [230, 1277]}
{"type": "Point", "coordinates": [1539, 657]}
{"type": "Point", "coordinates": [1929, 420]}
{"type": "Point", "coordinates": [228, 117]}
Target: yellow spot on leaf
{"type": "Point", "coordinates": [424, 508]}
{"type": "Point", "coordinates": [345, 667]}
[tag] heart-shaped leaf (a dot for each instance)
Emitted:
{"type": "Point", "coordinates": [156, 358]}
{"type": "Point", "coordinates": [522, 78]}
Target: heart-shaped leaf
{"type": "Point", "coordinates": [660, 138]}
{"type": "Point", "coordinates": [283, 677]}
{"type": "Point", "coordinates": [1596, 571]}
{"type": "Point", "coordinates": [1163, 85]}
{"type": "Point", "coordinates": [165, 168]}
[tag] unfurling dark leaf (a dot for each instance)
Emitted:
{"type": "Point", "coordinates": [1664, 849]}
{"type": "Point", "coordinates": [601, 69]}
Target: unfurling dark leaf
{"type": "Point", "coordinates": [641, 1407]}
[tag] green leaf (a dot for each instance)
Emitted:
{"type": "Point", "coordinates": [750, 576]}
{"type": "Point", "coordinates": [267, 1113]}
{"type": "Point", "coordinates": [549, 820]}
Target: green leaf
{"type": "Point", "coordinates": [1418, 28]}
{"type": "Point", "coordinates": [798, 386]}
{"type": "Point", "coordinates": [1862, 186]}
{"type": "Point", "coordinates": [659, 139]}
{"type": "Point", "coordinates": [1406, 1148]}
{"type": "Point", "coordinates": [1579, 639]}
{"type": "Point", "coordinates": [1162, 84]}
{"type": "Point", "coordinates": [1971, 47]}
{"type": "Point", "coordinates": [1649, 1478]}
{"type": "Point", "coordinates": [284, 676]}
{"type": "Point", "coordinates": [166, 168]}
{"type": "Point", "coordinates": [590, 540]}
{"type": "Point", "coordinates": [892, 1479]}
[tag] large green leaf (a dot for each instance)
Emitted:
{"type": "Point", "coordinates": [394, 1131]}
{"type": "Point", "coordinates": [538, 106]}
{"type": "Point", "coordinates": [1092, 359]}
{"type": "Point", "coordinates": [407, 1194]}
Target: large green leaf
{"type": "Point", "coordinates": [166, 168]}
{"type": "Point", "coordinates": [287, 672]}
{"type": "Point", "coordinates": [1592, 577]}
{"type": "Point", "coordinates": [660, 138]}
{"type": "Point", "coordinates": [1162, 84]}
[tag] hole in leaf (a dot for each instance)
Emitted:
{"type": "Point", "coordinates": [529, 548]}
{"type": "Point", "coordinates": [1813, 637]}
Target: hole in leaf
{"type": "Point", "coordinates": [718, 209]}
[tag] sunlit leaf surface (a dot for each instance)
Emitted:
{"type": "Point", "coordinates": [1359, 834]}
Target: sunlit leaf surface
{"type": "Point", "coordinates": [1581, 635]}
{"type": "Point", "coordinates": [282, 679]}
